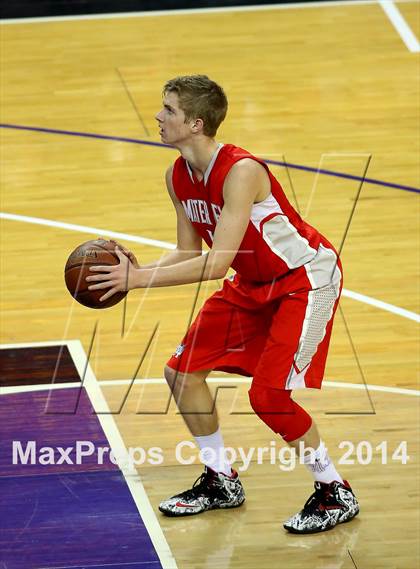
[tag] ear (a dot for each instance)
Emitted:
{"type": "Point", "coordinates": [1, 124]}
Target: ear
{"type": "Point", "coordinates": [197, 125]}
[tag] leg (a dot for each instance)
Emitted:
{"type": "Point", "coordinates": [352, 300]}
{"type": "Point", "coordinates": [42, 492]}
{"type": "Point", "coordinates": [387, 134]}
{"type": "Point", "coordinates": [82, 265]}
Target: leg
{"type": "Point", "coordinates": [310, 439]}
{"type": "Point", "coordinates": [317, 460]}
{"type": "Point", "coordinates": [194, 400]}
{"type": "Point", "coordinates": [223, 336]}
{"type": "Point", "coordinates": [195, 403]}
{"type": "Point", "coordinates": [333, 501]}
{"type": "Point", "coordinates": [277, 410]}
{"type": "Point", "coordinates": [217, 487]}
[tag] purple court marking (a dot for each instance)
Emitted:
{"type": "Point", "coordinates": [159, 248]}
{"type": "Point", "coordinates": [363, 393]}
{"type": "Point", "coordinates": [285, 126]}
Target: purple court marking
{"type": "Point", "coordinates": [85, 135]}
{"type": "Point", "coordinates": [65, 515]}
{"type": "Point", "coordinates": [28, 416]}
{"type": "Point", "coordinates": [161, 145]}
{"type": "Point", "coordinates": [85, 519]}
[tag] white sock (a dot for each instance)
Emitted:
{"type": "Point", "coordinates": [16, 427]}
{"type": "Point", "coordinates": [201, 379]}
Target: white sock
{"type": "Point", "coordinates": [320, 465]}
{"type": "Point", "coordinates": [213, 452]}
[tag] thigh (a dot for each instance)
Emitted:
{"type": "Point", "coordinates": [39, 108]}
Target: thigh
{"type": "Point", "coordinates": [225, 337]}
{"type": "Point", "coordinates": [296, 350]}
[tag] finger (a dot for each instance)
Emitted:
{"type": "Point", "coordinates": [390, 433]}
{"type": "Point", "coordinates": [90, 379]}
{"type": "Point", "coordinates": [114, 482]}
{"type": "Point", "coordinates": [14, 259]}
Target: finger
{"type": "Point", "coordinates": [105, 284]}
{"type": "Point", "coordinates": [123, 249]}
{"type": "Point", "coordinates": [129, 254]}
{"type": "Point", "coordinates": [98, 277]}
{"type": "Point", "coordinates": [120, 254]}
{"type": "Point", "coordinates": [108, 294]}
{"type": "Point", "coordinates": [134, 260]}
{"type": "Point", "coordinates": [102, 269]}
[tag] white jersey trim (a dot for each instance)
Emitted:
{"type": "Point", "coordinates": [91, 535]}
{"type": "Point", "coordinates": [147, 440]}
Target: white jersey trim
{"type": "Point", "coordinates": [280, 235]}
{"type": "Point", "coordinates": [209, 167]}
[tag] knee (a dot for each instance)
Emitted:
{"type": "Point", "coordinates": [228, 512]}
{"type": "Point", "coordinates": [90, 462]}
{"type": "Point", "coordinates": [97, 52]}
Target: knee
{"type": "Point", "coordinates": [170, 376]}
{"type": "Point", "coordinates": [177, 380]}
{"type": "Point", "coordinates": [278, 411]}
{"type": "Point", "coordinates": [265, 400]}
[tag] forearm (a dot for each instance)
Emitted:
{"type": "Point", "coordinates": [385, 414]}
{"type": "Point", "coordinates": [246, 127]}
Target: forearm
{"type": "Point", "coordinates": [200, 268]}
{"type": "Point", "coordinates": [172, 258]}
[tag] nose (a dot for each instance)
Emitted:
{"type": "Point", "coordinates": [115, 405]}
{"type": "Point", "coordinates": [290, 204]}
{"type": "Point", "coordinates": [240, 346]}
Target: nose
{"type": "Point", "coordinates": [159, 116]}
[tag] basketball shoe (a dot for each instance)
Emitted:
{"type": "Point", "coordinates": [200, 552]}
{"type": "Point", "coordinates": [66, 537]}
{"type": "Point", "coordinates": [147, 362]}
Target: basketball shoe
{"type": "Point", "coordinates": [329, 505]}
{"type": "Point", "coordinates": [211, 490]}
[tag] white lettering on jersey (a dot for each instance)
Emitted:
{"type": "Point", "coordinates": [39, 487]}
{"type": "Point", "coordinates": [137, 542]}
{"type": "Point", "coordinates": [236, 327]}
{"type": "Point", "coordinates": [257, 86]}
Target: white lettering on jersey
{"type": "Point", "coordinates": [204, 212]}
{"type": "Point", "coordinates": [217, 210]}
{"type": "Point", "coordinates": [189, 210]}
{"type": "Point", "coordinates": [210, 235]}
{"type": "Point", "coordinates": [197, 211]}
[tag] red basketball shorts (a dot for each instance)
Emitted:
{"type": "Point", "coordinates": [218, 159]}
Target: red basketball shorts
{"type": "Point", "coordinates": [277, 332]}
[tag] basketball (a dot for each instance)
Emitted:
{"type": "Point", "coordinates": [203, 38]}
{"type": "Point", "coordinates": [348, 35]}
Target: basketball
{"type": "Point", "coordinates": [90, 253]}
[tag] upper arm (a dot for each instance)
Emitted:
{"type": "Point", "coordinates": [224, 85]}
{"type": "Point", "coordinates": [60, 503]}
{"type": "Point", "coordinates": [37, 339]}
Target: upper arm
{"type": "Point", "coordinates": [244, 185]}
{"type": "Point", "coordinates": [187, 238]}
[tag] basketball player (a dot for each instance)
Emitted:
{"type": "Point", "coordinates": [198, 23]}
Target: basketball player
{"type": "Point", "coordinates": [271, 321]}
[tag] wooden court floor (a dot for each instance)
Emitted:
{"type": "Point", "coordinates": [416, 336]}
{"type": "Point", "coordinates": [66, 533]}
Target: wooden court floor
{"type": "Point", "coordinates": [318, 87]}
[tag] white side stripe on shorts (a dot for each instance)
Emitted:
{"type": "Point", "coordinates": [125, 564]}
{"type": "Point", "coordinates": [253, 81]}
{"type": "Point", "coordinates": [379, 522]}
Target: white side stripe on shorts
{"type": "Point", "coordinates": [324, 272]}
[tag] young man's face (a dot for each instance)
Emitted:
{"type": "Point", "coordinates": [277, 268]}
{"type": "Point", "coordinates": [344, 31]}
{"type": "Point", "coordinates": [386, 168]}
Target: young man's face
{"type": "Point", "coordinates": [171, 119]}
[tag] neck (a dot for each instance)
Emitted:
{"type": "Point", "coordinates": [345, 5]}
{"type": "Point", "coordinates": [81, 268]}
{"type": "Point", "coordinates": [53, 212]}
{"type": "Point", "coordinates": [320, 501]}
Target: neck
{"type": "Point", "coordinates": [199, 154]}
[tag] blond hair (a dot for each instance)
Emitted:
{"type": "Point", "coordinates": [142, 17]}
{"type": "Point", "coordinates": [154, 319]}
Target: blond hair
{"type": "Point", "coordinates": [200, 98]}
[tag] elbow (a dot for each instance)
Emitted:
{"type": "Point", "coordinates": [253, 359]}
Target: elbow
{"type": "Point", "coordinates": [187, 254]}
{"type": "Point", "coordinates": [217, 266]}
{"type": "Point", "coordinates": [219, 272]}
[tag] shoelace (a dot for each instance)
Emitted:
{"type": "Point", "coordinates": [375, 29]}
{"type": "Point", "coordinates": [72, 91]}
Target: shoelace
{"type": "Point", "coordinates": [199, 484]}
{"type": "Point", "coordinates": [313, 502]}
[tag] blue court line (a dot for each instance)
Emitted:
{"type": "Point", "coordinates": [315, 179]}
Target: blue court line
{"type": "Point", "coordinates": [161, 145]}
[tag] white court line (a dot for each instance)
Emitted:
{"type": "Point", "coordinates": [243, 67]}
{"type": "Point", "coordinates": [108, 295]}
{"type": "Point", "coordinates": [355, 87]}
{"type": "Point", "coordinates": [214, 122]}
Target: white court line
{"type": "Point", "coordinates": [113, 435]}
{"type": "Point", "coordinates": [164, 245]}
{"type": "Point", "coordinates": [381, 304]}
{"type": "Point", "coordinates": [227, 380]}
{"type": "Point", "coordinates": [188, 11]}
{"type": "Point", "coordinates": [84, 229]}
{"type": "Point", "coordinates": [37, 344]}
{"type": "Point", "coordinates": [38, 387]}
{"type": "Point", "coordinates": [76, 349]}
{"type": "Point", "coordinates": [220, 380]}
{"type": "Point", "coordinates": [119, 449]}
{"type": "Point", "coordinates": [400, 25]}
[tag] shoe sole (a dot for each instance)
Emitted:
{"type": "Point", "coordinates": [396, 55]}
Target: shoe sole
{"type": "Point", "coordinates": [309, 531]}
{"type": "Point", "coordinates": [170, 514]}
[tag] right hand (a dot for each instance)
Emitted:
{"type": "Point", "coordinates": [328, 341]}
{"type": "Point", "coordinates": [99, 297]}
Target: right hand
{"type": "Point", "coordinates": [126, 252]}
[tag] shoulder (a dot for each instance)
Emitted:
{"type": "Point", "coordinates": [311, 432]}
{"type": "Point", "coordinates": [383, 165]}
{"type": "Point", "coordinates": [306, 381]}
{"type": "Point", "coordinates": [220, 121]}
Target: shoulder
{"type": "Point", "coordinates": [169, 183]}
{"type": "Point", "coordinates": [176, 167]}
{"type": "Point", "coordinates": [244, 182]}
{"type": "Point", "coordinates": [252, 177]}
{"type": "Point", "coordinates": [247, 170]}
{"type": "Point", "coordinates": [248, 166]}
{"type": "Point", "coordinates": [174, 170]}
{"type": "Point", "coordinates": [168, 174]}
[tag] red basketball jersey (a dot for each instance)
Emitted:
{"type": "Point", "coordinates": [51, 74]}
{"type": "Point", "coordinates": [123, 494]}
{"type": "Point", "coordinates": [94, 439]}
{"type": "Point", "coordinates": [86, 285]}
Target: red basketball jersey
{"type": "Point", "coordinates": [276, 240]}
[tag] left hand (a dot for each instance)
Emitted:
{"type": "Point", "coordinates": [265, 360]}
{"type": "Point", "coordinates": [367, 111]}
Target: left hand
{"type": "Point", "coordinates": [115, 277]}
